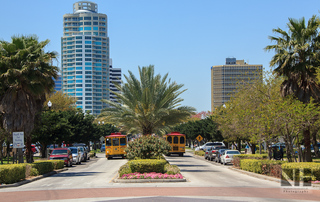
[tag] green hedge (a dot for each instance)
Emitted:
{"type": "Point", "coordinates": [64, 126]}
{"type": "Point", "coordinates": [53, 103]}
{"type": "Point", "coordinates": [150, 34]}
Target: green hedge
{"type": "Point", "coordinates": [237, 158]}
{"type": "Point", "coordinates": [307, 171]}
{"type": "Point", "coordinates": [171, 169]}
{"type": "Point", "coordinates": [43, 166]}
{"type": "Point", "coordinates": [147, 165]}
{"type": "Point", "coordinates": [199, 153]}
{"type": "Point", "coordinates": [12, 173]}
{"type": "Point", "coordinates": [252, 165]}
{"type": "Point", "coordinates": [16, 172]}
{"type": "Point", "coordinates": [57, 164]}
{"type": "Point", "coordinates": [125, 169]}
{"type": "Point", "coordinates": [92, 154]}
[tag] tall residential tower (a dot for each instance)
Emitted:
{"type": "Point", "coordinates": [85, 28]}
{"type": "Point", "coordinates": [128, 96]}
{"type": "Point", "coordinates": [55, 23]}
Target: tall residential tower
{"type": "Point", "coordinates": [226, 78]}
{"type": "Point", "coordinates": [85, 56]}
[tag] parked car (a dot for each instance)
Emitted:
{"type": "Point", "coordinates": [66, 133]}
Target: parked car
{"type": "Point", "coordinates": [203, 147]}
{"type": "Point", "coordinates": [87, 152]}
{"type": "Point", "coordinates": [62, 154]}
{"type": "Point", "coordinates": [76, 155]}
{"type": "Point", "coordinates": [227, 156]}
{"type": "Point", "coordinates": [82, 154]}
{"type": "Point", "coordinates": [207, 151]}
{"type": "Point", "coordinates": [212, 154]}
{"type": "Point", "coordinates": [103, 148]}
{"type": "Point", "coordinates": [218, 155]}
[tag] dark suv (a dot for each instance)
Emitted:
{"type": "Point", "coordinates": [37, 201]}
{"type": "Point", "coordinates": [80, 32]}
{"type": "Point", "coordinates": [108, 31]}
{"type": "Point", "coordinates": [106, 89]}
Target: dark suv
{"type": "Point", "coordinates": [213, 152]}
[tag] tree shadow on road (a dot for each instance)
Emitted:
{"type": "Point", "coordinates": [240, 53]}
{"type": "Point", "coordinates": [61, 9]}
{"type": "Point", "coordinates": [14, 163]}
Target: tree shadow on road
{"type": "Point", "coordinates": [75, 174]}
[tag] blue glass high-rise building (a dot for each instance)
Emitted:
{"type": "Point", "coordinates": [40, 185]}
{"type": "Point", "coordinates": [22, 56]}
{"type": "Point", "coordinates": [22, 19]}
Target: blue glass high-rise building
{"type": "Point", "coordinates": [85, 56]}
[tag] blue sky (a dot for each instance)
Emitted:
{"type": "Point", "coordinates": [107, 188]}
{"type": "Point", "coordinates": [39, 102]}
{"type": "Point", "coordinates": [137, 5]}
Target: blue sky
{"type": "Point", "coordinates": [181, 37]}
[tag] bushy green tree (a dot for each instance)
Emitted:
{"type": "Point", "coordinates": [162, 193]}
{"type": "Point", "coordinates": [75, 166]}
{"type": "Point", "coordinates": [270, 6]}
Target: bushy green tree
{"type": "Point", "coordinates": [147, 147]}
{"type": "Point", "coordinates": [149, 105]}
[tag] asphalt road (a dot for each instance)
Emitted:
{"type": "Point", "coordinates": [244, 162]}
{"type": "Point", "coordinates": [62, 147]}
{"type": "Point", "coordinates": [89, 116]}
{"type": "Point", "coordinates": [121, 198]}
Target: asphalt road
{"type": "Point", "coordinates": [206, 181]}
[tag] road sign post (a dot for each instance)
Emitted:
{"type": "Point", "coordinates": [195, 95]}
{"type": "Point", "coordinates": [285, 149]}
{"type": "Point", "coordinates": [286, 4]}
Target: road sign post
{"type": "Point", "coordinates": [199, 138]}
{"type": "Point", "coordinates": [18, 142]}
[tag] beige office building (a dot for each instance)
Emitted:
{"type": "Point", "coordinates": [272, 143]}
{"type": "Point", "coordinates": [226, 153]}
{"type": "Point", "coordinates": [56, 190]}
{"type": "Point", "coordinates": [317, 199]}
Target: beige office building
{"type": "Point", "coordinates": [226, 78]}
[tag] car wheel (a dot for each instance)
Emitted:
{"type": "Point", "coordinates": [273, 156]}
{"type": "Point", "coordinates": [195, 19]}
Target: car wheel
{"type": "Point", "coordinates": [224, 163]}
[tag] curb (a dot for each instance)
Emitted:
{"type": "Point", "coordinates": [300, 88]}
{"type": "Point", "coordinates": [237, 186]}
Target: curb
{"type": "Point", "coordinates": [265, 177]}
{"type": "Point", "coordinates": [147, 180]}
{"type": "Point", "coordinates": [33, 179]}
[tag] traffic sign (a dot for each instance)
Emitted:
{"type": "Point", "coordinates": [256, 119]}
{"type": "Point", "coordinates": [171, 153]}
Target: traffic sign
{"type": "Point", "coordinates": [18, 139]}
{"type": "Point", "coordinates": [199, 138]}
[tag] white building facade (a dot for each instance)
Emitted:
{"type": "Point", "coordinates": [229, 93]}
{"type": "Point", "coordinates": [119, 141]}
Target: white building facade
{"type": "Point", "coordinates": [85, 58]}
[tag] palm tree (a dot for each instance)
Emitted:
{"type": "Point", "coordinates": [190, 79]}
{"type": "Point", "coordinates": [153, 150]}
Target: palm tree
{"type": "Point", "coordinates": [26, 75]}
{"type": "Point", "coordinates": [297, 60]}
{"type": "Point", "coordinates": [148, 106]}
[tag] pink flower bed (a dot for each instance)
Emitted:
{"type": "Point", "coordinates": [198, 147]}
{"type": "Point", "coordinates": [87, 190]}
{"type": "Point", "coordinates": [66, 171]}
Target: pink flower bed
{"type": "Point", "coordinates": [152, 175]}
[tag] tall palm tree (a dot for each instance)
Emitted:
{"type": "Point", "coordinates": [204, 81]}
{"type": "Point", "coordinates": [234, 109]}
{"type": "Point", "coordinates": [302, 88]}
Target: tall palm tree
{"type": "Point", "coordinates": [297, 60]}
{"type": "Point", "coordinates": [26, 75]}
{"type": "Point", "coordinates": [151, 105]}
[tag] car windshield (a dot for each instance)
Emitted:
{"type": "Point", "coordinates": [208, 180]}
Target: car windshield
{"type": "Point", "coordinates": [74, 150]}
{"type": "Point", "coordinates": [213, 143]}
{"type": "Point", "coordinates": [233, 152]}
{"type": "Point", "coordinates": [81, 149]}
{"type": "Point", "coordinates": [59, 152]}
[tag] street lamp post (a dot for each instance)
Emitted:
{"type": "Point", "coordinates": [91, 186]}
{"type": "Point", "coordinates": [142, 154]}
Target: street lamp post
{"type": "Point", "coordinates": [49, 104]}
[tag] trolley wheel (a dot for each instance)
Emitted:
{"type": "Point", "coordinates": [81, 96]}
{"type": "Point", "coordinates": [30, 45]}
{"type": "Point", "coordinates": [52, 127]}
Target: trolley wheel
{"type": "Point", "coordinates": [181, 154]}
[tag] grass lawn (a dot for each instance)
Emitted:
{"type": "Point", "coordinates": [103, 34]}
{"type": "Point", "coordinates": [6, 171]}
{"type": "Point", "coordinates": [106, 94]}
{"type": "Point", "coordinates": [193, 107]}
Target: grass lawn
{"type": "Point", "coordinates": [5, 160]}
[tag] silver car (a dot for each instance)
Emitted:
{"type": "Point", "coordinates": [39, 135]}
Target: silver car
{"type": "Point", "coordinates": [76, 155]}
{"type": "Point", "coordinates": [82, 154]}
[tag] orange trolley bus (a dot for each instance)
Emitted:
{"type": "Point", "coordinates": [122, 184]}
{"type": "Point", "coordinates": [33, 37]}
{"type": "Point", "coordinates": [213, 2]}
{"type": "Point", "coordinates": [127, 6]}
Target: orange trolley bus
{"type": "Point", "coordinates": [115, 145]}
{"type": "Point", "coordinates": [177, 142]}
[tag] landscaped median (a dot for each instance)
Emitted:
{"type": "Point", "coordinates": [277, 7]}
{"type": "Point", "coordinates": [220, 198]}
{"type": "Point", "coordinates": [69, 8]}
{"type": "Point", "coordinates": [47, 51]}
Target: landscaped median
{"type": "Point", "coordinates": [149, 170]}
{"type": "Point", "coordinates": [18, 172]}
{"type": "Point", "coordinates": [293, 171]}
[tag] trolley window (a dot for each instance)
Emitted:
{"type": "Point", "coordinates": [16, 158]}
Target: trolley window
{"type": "Point", "coordinates": [115, 141]}
{"type": "Point", "coordinates": [123, 141]}
{"type": "Point", "coordinates": [176, 140]}
{"type": "Point", "coordinates": [181, 140]}
{"type": "Point", "coordinates": [108, 142]}
{"type": "Point", "coordinates": [169, 138]}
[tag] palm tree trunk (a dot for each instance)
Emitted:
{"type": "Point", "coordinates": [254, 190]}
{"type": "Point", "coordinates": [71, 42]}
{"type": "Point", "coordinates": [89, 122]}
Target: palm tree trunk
{"type": "Point", "coordinates": [307, 147]}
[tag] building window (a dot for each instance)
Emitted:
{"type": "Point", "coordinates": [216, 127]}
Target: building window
{"type": "Point", "coordinates": [87, 18]}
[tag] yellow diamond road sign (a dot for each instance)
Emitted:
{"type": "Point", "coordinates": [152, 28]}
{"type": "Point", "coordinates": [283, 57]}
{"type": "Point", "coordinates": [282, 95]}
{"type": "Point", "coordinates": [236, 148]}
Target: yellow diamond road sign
{"type": "Point", "coordinates": [199, 138]}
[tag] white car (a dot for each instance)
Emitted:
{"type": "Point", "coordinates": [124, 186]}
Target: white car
{"type": "Point", "coordinates": [227, 156]}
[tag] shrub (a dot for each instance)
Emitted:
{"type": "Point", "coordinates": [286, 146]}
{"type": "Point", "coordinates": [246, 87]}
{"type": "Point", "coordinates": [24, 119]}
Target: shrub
{"type": "Point", "coordinates": [125, 169]}
{"type": "Point", "coordinates": [237, 158]}
{"type": "Point", "coordinates": [12, 173]}
{"type": "Point", "coordinates": [171, 169]}
{"type": "Point", "coordinates": [272, 168]}
{"type": "Point", "coordinates": [147, 165]}
{"type": "Point", "coordinates": [92, 154]}
{"type": "Point", "coordinates": [43, 166]}
{"type": "Point", "coordinates": [307, 171]}
{"type": "Point", "coordinates": [57, 164]}
{"type": "Point", "coordinates": [252, 165]}
{"type": "Point", "coordinates": [199, 153]}
{"type": "Point", "coordinates": [147, 147]}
